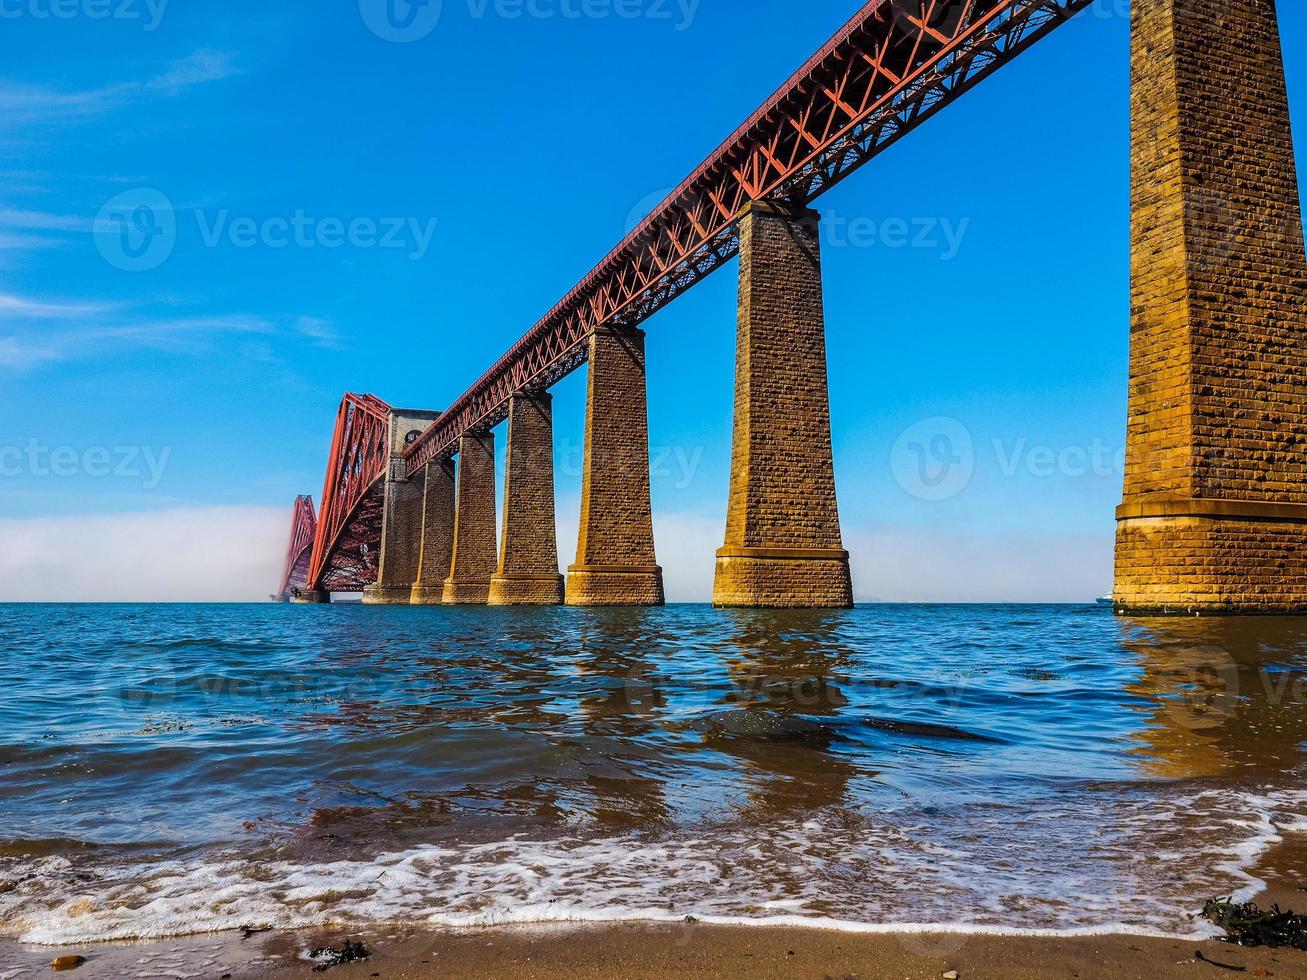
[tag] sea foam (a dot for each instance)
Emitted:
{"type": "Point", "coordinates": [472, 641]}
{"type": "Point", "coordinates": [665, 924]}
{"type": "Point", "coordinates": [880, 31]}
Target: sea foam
{"type": "Point", "coordinates": [1139, 865]}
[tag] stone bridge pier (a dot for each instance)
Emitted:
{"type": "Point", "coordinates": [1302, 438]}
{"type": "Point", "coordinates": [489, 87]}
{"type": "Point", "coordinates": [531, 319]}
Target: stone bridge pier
{"type": "Point", "coordinates": [401, 521]}
{"type": "Point", "coordinates": [1215, 512]}
{"type": "Point", "coordinates": [437, 538]}
{"type": "Point", "coordinates": [528, 557]}
{"type": "Point", "coordinates": [474, 553]}
{"type": "Point", "coordinates": [783, 544]}
{"type": "Point", "coordinates": [615, 559]}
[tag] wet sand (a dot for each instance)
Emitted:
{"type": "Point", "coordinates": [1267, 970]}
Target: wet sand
{"type": "Point", "coordinates": [638, 950]}
{"type": "Point", "coordinates": [725, 952]}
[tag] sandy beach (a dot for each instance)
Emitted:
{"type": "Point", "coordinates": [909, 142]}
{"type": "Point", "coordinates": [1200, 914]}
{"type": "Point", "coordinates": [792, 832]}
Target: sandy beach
{"type": "Point", "coordinates": [638, 950]}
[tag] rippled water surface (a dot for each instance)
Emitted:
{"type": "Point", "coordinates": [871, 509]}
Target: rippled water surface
{"type": "Point", "coordinates": [166, 770]}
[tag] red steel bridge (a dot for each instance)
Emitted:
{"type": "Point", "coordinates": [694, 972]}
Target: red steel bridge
{"type": "Point", "coordinates": [895, 64]}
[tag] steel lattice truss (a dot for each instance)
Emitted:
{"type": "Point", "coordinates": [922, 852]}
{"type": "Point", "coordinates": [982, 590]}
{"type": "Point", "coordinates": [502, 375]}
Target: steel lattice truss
{"type": "Point", "coordinates": [303, 530]}
{"type": "Point", "coordinates": [894, 65]}
{"type": "Point", "coordinates": [347, 546]}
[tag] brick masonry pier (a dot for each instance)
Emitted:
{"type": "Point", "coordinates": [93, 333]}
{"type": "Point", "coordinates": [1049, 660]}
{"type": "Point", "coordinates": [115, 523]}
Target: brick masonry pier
{"type": "Point", "coordinates": [475, 557]}
{"type": "Point", "coordinates": [528, 557]}
{"type": "Point", "coordinates": [783, 545]}
{"type": "Point", "coordinates": [401, 522]}
{"type": "Point", "coordinates": [615, 562]}
{"type": "Point", "coordinates": [1215, 512]}
{"type": "Point", "coordinates": [437, 544]}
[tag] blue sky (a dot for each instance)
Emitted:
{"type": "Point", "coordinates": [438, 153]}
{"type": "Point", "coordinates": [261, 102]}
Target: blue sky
{"type": "Point", "coordinates": [976, 272]}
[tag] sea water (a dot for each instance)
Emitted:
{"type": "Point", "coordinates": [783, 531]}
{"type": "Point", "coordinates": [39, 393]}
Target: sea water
{"type": "Point", "coordinates": [168, 770]}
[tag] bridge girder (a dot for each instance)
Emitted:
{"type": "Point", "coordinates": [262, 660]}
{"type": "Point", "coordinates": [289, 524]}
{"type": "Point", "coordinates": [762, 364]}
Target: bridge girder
{"type": "Point", "coordinates": [893, 66]}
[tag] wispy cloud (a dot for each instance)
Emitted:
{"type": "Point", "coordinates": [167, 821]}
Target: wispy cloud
{"type": "Point", "coordinates": [200, 68]}
{"type": "Point", "coordinates": [19, 308]}
{"type": "Point", "coordinates": [27, 231]}
{"type": "Point", "coordinates": [20, 104]}
{"type": "Point", "coordinates": [23, 355]}
{"type": "Point", "coordinates": [321, 331]}
{"type": "Point", "coordinates": [41, 332]}
{"type": "Point", "coordinates": [18, 220]}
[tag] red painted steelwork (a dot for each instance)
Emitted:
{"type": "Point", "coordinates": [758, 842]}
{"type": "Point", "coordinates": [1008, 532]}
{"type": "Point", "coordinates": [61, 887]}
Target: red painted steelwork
{"type": "Point", "coordinates": [895, 64]}
{"type": "Point", "coordinates": [348, 542]}
{"type": "Point", "coordinates": [303, 529]}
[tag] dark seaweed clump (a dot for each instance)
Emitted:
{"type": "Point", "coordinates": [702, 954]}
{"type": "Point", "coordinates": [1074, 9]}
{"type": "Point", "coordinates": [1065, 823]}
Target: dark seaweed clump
{"type": "Point", "coordinates": [1248, 925]}
{"type": "Point", "coordinates": [329, 956]}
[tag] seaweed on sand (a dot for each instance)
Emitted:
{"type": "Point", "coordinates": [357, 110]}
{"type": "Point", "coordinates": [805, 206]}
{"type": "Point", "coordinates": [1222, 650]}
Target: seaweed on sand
{"type": "Point", "coordinates": [329, 956]}
{"type": "Point", "coordinates": [1249, 925]}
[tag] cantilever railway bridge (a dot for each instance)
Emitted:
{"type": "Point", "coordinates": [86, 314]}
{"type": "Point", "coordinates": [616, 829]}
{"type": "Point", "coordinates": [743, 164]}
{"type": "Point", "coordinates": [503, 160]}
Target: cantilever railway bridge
{"type": "Point", "coordinates": [894, 65]}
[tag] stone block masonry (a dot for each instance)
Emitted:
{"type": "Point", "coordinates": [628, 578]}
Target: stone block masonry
{"type": "Point", "coordinates": [475, 555]}
{"type": "Point", "coordinates": [615, 561]}
{"type": "Point", "coordinates": [401, 521]}
{"type": "Point", "coordinates": [783, 544]}
{"type": "Point", "coordinates": [528, 559]}
{"type": "Point", "coordinates": [437, 554]}
{"type": "Point", "coordinates": [1215, 512]}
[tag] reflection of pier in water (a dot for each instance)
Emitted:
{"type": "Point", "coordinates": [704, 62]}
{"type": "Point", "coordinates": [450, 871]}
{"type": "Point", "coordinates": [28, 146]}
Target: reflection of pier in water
{"type": "Point", "coordinates": [784, 680]}
{"type": "Point", "coordinates": [617, 708]}
{"type": "Point", "coordinates": [1222, 696]}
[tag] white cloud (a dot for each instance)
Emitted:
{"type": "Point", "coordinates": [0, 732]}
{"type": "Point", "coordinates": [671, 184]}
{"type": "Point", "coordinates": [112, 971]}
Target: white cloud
{"type": "Point", "coordinates": [198, 68]}
{"type": "Point", "coordinates": [18, 307]}
{"type": "Point", "coordinates": [216, 554]}
{"type": "Point", "coordinates": [60, 330]}
{"type": "Point", "coordinates": [28, 231]}
{"type": "Point", "coordinates": [41, 221]}
{"type": "Point", "coordinates": [319, 330]}
{"type": "Point", "coordinates": [31, 103]}
{"type": "Point", "coordinates": [21, 355]}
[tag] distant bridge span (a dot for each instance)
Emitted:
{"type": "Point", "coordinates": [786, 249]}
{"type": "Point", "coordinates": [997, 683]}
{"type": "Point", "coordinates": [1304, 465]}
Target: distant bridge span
{"type": "Point", "coordinates": [346, 545]}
